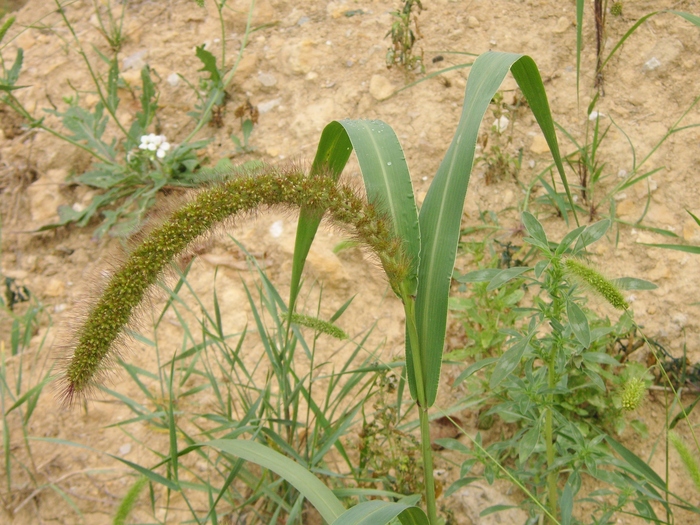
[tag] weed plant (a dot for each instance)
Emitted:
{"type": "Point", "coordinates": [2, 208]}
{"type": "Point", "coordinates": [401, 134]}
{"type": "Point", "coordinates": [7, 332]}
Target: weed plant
{"type": "Point", "coordinates": [127, 176]}
{"type": "Point", "coordinates": [24, 375]}
{"type": "Point", "coordinates": [403, 38]}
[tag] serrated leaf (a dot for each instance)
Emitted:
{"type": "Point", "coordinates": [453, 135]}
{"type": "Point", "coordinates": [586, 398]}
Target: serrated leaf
{"type": "Point", "coordinates": [209, 63]}
{"type": "Point", "coordinates": [112, 85]}
{"type": "Point", "coordinates": [13, 73]}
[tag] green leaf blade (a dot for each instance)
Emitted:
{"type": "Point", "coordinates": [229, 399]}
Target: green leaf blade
{"type": "Point", "coordinates": [320, 496]}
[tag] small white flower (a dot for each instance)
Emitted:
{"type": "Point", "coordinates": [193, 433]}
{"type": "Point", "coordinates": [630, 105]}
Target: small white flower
{"type": "Point", "coordinates": [501, 124]}
{"type": "Point", "coordinates": [157, 143]}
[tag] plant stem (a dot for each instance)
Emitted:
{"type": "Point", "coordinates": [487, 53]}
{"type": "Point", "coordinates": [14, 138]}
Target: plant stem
{"type": "Point", "coordinates": [426, 443]}
{"type": "Point", "coordinates": [427, 465]}
{"type": "Point", "coordinates": [549, 439]}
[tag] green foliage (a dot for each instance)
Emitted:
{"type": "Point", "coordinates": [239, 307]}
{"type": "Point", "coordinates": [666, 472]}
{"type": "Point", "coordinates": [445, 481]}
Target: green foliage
{"type": "Point", "coordinates": [403, 38]}
{"type": "Point", "coordinates": [558, 388]}
{"type": "Point", "coordinates": [127, 178]}
{"type": "Point", "coordinates": [495, 145]}
{"type": "Point", "coordinates": [558, 352]}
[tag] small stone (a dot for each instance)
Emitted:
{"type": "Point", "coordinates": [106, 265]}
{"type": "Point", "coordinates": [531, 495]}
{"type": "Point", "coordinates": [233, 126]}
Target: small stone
{"type": "Point", "coordinates": [269, 105]}
{"type": "Point", "coordinates": [277, 229]}
{"type": "Point", "coordinates": [473, 22]}
{"type": "Point", "coordinates": [267, 79]}
{"type": "Point", "coordinates": [125, 449]}
{"type": "Point", "coordinates": [651, 64]}
{"type": "Point", "coordinates": [55, 288]}
{"type": "Point", "coordinates": [173, 79]}
{"type": "Point", "coordinates": [380, 87]}
{"type": "Point", "coordinates": [562, 25]}
{"type": "Point", "coordinates": [539, 144]}
{"type": "Point", "coordinates": [136, 60]}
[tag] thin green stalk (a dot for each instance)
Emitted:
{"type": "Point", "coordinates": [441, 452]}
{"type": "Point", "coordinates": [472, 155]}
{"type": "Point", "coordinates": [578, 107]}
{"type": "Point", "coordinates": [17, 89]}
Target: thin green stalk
{"type": "Point", "coordinates": [229, 76]}
{"type": "Point", "coordinates": [95, 80]}
{"type": "Point", "coordinates": [426, 448]}
{"type": "Point", "coordinates": [427, 451]}
{"type": "Point", "coordinates": [549, 440]}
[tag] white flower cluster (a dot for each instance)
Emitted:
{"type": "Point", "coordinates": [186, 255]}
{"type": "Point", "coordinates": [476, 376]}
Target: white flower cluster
{"type": "Point", "coordinates": [157, 143]}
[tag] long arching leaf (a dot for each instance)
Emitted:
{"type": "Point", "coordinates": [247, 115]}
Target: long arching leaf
{"type": "Point", "coordinates": [441, 214]}
{"type": "Point", "coordinates": [320, 496]}
{"type": "Point", "coordinates": [378, 512]}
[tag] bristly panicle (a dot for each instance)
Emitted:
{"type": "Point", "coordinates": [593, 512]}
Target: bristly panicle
{"type": "Point", "coordinates": [207, 211]}
{"type": "Point", "coordinates": [593, 280]}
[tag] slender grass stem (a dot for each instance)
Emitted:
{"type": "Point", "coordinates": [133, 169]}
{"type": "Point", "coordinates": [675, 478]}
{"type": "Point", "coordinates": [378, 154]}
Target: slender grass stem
{"type": "Point", "coordinates": [426, 448]}
{"type": "Point", "coordinates": [427, 452]}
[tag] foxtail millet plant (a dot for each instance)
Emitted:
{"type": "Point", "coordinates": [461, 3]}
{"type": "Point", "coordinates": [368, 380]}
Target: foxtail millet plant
{"type": "Point", "coordinates": [211, 208]}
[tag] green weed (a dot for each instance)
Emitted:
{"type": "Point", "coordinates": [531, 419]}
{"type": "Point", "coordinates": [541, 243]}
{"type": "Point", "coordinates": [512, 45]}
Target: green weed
{"type": "Point", "coordinates": [403, 38]}
{"type": "Point", "coordinates": [127, 174]}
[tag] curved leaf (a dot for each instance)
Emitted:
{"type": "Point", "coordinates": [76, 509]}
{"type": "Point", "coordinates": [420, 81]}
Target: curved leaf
{"type": "Point", "coordinates": [320, 496]}
{"type": "Point", "coordinates": [441, 213]}
{"type": "Point", "coordinates": [378, 512]}
{"type": "Point", "coordinates": [388, 182]}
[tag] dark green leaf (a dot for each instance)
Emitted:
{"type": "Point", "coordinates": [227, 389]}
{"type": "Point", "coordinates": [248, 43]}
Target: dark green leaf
{"type": "Point", "coordinates": [508, 362]}
{"type": "Point", "coordinates": [209, 63]}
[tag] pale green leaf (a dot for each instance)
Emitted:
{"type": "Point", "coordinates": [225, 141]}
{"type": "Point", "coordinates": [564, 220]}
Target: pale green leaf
{"type": "Point", "coordinates": [320, 496]}
{"type": "Point", "coordinates": [579, 323]}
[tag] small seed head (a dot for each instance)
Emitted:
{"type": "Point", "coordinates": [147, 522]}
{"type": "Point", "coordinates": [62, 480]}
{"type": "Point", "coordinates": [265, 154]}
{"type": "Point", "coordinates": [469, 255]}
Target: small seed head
{"type": "Point", "coordinates": [633, 393]}
{"type": "Point", "coordinates": [596, 282]}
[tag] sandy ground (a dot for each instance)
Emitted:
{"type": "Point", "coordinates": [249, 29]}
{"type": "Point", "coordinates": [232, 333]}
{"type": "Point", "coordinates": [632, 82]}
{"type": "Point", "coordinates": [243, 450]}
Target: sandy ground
{"type": "Point", "coordinates": [309, 63]}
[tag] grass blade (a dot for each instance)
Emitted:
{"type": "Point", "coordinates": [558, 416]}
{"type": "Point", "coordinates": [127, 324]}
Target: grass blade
{"type": "Point", "coordinates": [441, 213]}
{"type": "Point", "coordinates": [309, 485]}
{"type": "Point", "coordinates": [388, 182]}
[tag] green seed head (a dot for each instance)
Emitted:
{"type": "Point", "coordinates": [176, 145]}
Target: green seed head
{"type": "Point", "coordinates": [633, 393]}
{"type": "Point", "coordinates": [596, 282]}
{"type": "Point", "coordinates": [209, 210]}
{"type": "Point", "coordinates": [319, 325]}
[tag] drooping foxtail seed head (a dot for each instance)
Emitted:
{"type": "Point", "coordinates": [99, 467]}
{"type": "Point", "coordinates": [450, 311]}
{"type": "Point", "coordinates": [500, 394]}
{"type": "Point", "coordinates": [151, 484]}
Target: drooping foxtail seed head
{"type": "Point", "coordinates": [596, 282]}
{"type": "Point", "coordinates": [113, 311]}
